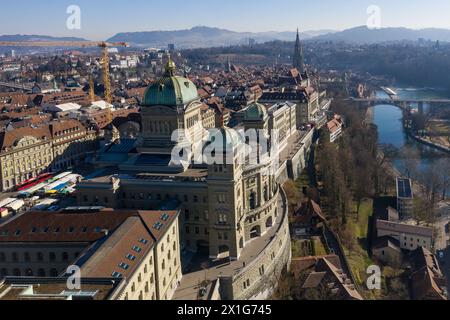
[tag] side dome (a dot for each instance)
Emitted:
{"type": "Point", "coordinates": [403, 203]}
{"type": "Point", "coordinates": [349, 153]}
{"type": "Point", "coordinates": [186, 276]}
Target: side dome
{"type": "Point", "coordinates": [225, 139]}
{"type": "Point", "coordinates": [255, 112]}
{"type": "Point", "coordinates": [171, 90]}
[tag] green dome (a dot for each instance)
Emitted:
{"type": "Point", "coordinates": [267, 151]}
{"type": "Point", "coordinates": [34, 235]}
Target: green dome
{"type": "Point", "coordinates": [255, 112]}
{"type": "Point", "coordinates": [170, 91]}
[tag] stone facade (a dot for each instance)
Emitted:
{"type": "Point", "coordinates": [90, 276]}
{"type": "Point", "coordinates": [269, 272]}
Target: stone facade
{"type": "Point", "coordinates": [258, 279]}
{"type": "Point", "coordinates": [43, 260]}
{"type": "Point", "coordinates": [28, 152]}
{"type": "Point", "coordinates": [131, 249]}
{"type": "Point", "coordinates": [228, 206]}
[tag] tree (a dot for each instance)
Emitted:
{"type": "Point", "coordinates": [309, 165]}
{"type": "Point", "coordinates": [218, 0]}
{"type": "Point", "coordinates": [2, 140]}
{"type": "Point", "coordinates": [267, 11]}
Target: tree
{"type": "Point", "coordinates": [444, 175]}
{"type": "Point", "coordinates": [361, 188]}
{"type": "Point", "coordinates": [410, 160]}
{"type": "Point", "coordinates": [294, 196]}
{"type": "Point", "coordinates": [419, 122]}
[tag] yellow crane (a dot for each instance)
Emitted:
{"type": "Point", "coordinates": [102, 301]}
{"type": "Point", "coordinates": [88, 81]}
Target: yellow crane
{"type": "Point", "coordinates": [79, 44]}
{"type": "Point", "coordinates": [91, 88]}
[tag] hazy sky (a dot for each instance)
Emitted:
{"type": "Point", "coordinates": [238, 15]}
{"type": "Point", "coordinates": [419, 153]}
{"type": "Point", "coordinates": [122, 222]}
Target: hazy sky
{"type": "Point", "coordinates": [103, 18]}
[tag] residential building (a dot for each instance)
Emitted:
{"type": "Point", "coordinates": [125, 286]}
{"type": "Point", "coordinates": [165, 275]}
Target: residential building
{"type": "Point", "coordinates": [427, 280]}
{"type": "Point", "coordinates": [335, 128]}
{"type": "Point", "coordinates": [325, 272]}
{"type": "Point", "coordinates": [141, 247]}
{"type": "Point", "coordinates": [410, 237]}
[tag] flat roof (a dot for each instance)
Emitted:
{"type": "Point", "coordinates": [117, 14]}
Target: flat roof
{"type": "Point", "coordinates": [105, 175]}
{"type": "Point", "coordinates": [56, 288]}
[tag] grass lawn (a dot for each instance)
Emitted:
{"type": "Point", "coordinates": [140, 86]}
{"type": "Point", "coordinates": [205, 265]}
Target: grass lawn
{"type": "Point", "coordinates": [358, 258]}
{"type": "Point", "coordinates": [365, 211]}
{"type": "Point", "coordinates": [318, 247]}
{"type": "Point", "coordinates": [301, 248]}
{"type": "Point", "coordinates": [391, 283]}
{"type": "Point", "coordinates": [305, 248]}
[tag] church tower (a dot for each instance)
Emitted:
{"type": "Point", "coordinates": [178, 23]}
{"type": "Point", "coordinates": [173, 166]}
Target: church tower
{"type": "Point", "coordinates": [298, 55]}
{"type": "Point", "coordinates": [228, 65]}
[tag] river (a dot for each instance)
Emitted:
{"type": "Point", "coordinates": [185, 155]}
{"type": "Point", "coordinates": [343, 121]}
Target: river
{"type": "Point", "coordinates": [389, 120]}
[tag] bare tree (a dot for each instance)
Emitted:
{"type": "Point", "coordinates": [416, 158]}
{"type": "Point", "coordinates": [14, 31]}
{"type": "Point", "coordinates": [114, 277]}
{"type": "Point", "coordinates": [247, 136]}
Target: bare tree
{"type": "Point", "coordinates": [444, 173]}
{"type": "Point", "coordinates": [410, 160]}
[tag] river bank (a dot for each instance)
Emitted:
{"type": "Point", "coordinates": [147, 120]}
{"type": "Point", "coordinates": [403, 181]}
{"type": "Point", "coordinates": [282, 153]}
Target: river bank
{"type": "Point", "coordinates": [369, 118]}
{"type": "Point", "coordinates": [389, 120]}
{"type": "Point", "coordinates": [428, 143]}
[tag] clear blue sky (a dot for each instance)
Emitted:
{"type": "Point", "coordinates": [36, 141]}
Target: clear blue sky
{"type": "Point", "coordinates": [103, 18]}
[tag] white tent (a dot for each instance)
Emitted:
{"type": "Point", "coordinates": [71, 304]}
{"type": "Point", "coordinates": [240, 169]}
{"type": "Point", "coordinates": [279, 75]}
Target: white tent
{"type": "Point", "coordinates": [16, 205]}
{"type": "Point", "coordinates": [65, 107]}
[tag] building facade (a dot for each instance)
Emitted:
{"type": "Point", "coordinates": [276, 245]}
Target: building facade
{"type": "Point", "coordinates": [142, 248]}
{"type": "Point", "coordinates": [29, 151]}
{"type": "Point", "coordinates": [228, 201]}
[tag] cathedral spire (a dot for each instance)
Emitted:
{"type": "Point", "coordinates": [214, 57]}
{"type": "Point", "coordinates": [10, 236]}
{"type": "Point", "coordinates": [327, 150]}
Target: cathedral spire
{"type": "Point", "coordinates": [228, 65]}
{"type": "Point", "coordinates": [298, 55]}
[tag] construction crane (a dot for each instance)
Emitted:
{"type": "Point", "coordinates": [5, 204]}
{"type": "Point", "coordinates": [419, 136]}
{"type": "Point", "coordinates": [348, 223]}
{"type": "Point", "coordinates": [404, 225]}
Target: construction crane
{"type": "Point", "coordinates": [79, 44]}
{"type": "Point", "coordinates": [91, 88]}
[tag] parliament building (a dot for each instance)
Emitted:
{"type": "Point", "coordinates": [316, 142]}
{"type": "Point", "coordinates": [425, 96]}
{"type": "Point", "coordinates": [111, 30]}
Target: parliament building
{"type": "Point", "coordinates": [231, 209]}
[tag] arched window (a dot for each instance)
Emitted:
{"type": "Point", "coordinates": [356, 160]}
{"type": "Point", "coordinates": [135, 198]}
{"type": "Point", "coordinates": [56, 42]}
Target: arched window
{"type": "Point", "coordinates": [269, 222]}
{"type": "Point", "coordinates": [266, 193]}
{"type": "Point", "coordinates": [53, 272]}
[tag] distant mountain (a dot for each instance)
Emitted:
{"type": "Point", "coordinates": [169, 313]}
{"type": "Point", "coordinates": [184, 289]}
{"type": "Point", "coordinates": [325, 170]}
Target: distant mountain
{"type": "Point", "coordinates": [198, 37]}
{"type": "Point", "coordinates": [364, 35]}
{"type": "Point", "coordinates": [25, 38]}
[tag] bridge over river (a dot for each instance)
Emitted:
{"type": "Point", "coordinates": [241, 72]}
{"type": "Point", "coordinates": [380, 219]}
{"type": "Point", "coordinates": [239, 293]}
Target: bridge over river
{"type": "Point", "coordinates": [397, 101]}
{"type": "Point", "coordinates": [402, 103]}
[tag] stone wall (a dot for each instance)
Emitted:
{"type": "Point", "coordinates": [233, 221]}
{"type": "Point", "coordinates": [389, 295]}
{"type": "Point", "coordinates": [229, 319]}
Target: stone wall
{"type": "Point", "coordinates": [258, 279]}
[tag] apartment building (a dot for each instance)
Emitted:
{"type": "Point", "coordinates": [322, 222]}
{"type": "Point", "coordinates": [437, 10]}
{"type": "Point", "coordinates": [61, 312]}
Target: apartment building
{"type": "Point", "coordinates": [140, 248]}
{"type": "Point", "coordinates": [410, 237]}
